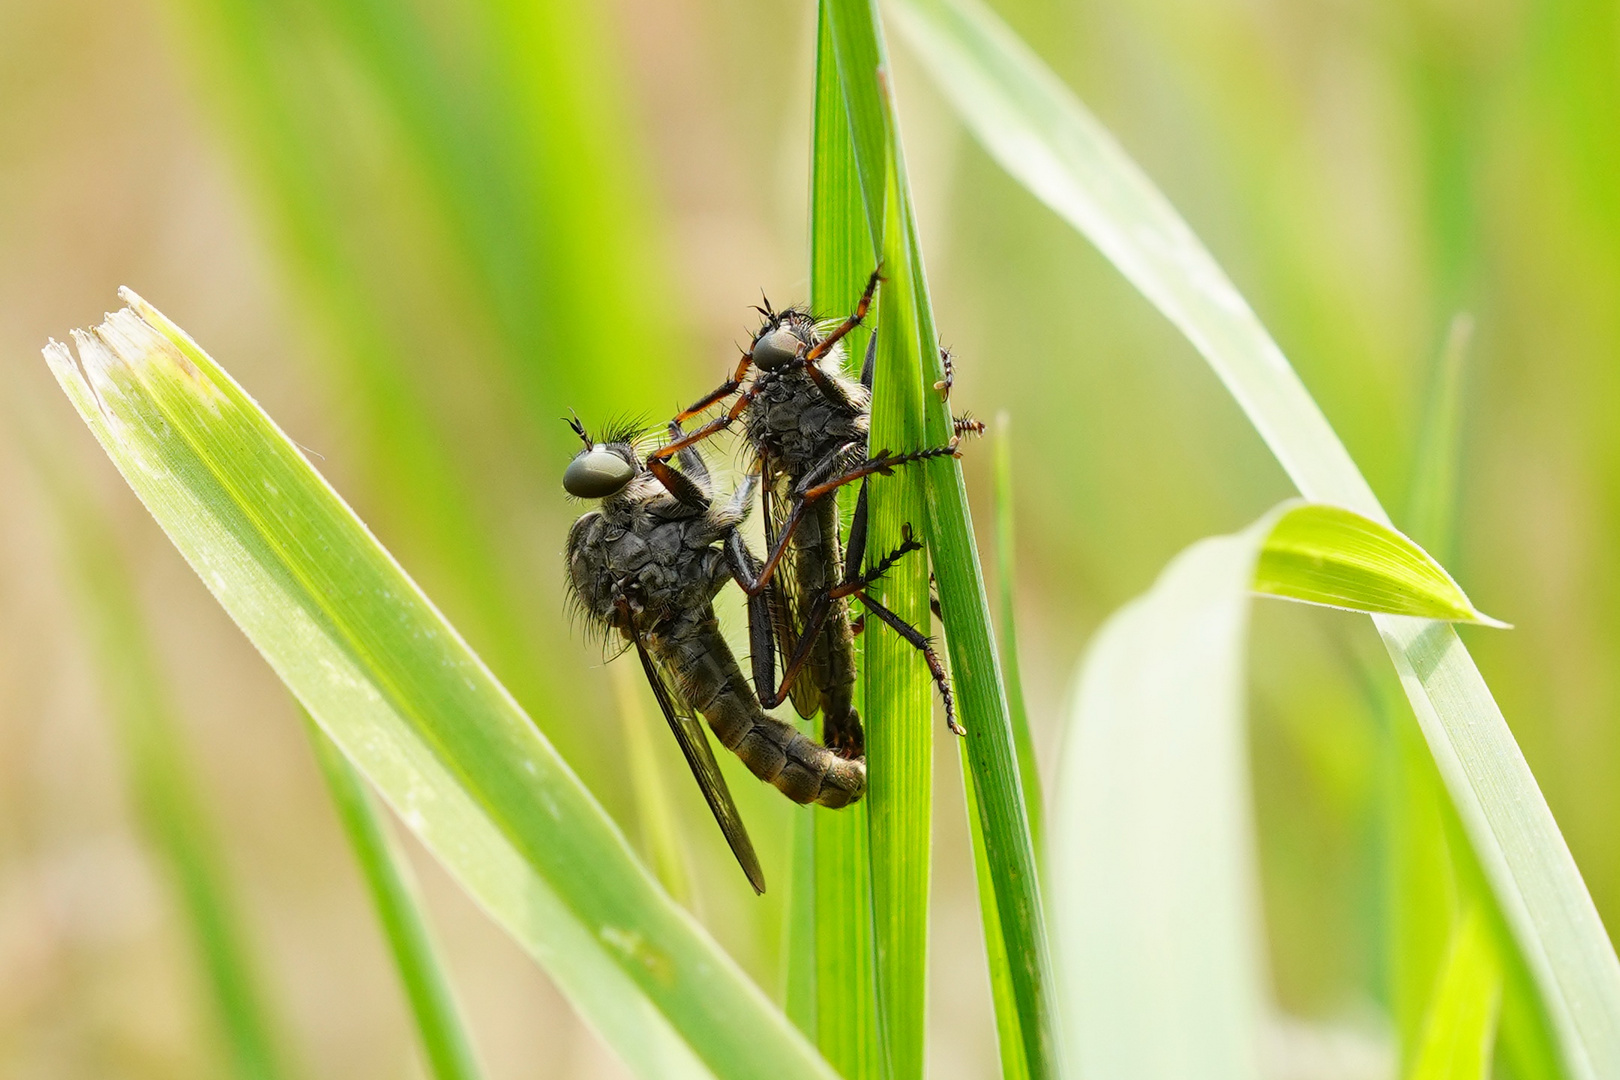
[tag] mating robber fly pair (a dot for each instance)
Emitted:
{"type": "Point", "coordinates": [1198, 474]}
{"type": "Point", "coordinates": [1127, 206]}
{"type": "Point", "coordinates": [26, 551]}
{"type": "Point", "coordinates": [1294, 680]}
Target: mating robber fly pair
{"type": "Point", "coordinates": [650, 559]}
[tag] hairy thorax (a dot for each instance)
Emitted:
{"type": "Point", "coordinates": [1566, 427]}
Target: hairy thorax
{"type": "Point", "coordinates": [659, 557]}
{"type": "Point", "coordinates": [797, 424]}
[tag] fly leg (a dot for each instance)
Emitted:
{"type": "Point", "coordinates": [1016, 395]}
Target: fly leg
{"type": "Point", "coordinates": [856, 584]}
{"type": "Point", "coordinates": [819, 483]}
{"type": "Point", "coordinates": [658, 460]}
{"type": "Point", "coordinates": [861, 307]}
{"type": "Point", "coordinates": [692, 462]}
{"type": "Point", "coordinates": [822, 606]}
{"type": "Point", "coordinates": [920, 640]}
{"type": "Point", "coordinates": [944, 385]}
{"type": "Point", "coordinates": [690, 483]}
{"type": "Point", "coordinates": [762, 620]}
{"type": "Point", "coordinates": [966, 425]}
{"type": "Point", "coordinates": [721, 392]}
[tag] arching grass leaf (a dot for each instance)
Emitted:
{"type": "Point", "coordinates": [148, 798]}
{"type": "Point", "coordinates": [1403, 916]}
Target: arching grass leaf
{"type": "Point", "coordinates": [396, 688]}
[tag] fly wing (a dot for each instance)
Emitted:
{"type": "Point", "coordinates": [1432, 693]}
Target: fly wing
{"type": "Point", "coordinates": [787, 614]}
{"type": "Point", "coordinates": [694, 742]}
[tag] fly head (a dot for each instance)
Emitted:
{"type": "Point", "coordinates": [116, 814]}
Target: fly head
{"type": "Point", "coordinates": [602, 469]}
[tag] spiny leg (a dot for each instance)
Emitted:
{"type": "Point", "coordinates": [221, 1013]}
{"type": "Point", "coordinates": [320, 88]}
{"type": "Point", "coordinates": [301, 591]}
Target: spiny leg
{"type": "Point", "coordinates": [721, 392]}
{"type": "Point", "coordinates": [657, 461]}
{"type": "Point", "coordinates": [822, 606]}
{"type": "Point", "coordinates": [761, 617]}
{"type": "Point", "coordinates": [966, 425]}
{"type": "Point", "coordinates": [944, 385]}
{"type": "Point", "coordinates": [854, 320]}
{"type": "Point", "coordinates": [883, 464]}
{"type": "Point", "coordinates": [690, 487]}
{"type": "Point", "coordinates": [691, 460]}
{"type": "Point", "coordinates": [921, 642]}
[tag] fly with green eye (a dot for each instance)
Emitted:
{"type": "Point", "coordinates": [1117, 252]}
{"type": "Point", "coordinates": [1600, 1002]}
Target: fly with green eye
{"type": "Point", "coordinates": [646, 564]}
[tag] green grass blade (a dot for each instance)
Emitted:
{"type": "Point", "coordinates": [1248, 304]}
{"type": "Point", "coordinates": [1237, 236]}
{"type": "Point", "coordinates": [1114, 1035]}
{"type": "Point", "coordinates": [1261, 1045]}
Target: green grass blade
{"type": "Point", "coordinates": [396, 688]}
{"type": "Point", "coordinates": [1321, 554]}
{"type": "Point", "coordinates": [800, 946]}
{"type": "Point", "coordinates": [840, 893]}
{"type": "Point", "coordinates": [1431, 509]}
{"type": "Point", "coordinates": [656, 814]}
{"type": "Point", "coordinates": [1037, 130]}
{"type": "Point", "coordinates": [1003, 995]}
{"type": "Point", "coordinates": [1461, 1026]}
{"type": "Point", "coordinates": [1152, 860]}
{"type": "Point", "coordinates": [175, 817]}
{"type": "Point", "coordinates": [898, 697]}
{"type": "Point", "coordinates": [857, 38]}
{"type": "Point", "coordinates": [399, 908]}
{"type": "Point", "coordinates": [1155, 901]}
{"type": "Point", "coordinates": [1007, 635]}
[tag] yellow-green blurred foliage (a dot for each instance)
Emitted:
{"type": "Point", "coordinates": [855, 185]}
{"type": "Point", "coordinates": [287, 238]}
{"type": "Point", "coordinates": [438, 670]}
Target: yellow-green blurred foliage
{"type": "Point", "coordinates": [420, 232]}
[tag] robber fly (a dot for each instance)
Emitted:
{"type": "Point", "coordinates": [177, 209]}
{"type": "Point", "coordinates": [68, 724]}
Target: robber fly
{"type": "Point", "coordinates": [807, 423]}
{"type": "Point", "coordinates": [647, 563]}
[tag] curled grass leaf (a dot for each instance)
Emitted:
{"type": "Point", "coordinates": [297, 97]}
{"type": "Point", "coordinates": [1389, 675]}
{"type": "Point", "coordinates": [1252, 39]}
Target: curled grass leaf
{"type": "Point", "coordinates": [1321, 554]}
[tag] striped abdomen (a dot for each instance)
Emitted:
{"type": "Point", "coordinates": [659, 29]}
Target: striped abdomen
{"type": "Point", "coordinates": [693, 649]}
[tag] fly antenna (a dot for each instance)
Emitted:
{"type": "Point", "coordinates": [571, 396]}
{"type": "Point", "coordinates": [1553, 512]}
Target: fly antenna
{"type": "Point", "coordinates": [573, 421]}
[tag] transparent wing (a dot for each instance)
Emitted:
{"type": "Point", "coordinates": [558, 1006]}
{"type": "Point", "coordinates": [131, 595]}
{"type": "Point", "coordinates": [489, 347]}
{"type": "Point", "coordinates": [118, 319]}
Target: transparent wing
{"type": "Point", "coordinates": [694, 741]}
{"type": "Point", "coordinates": [787, 614]}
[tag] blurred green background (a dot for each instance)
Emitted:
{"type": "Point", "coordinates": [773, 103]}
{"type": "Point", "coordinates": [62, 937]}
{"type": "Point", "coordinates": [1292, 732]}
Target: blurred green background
{"type": "Point", "coordinates": [418, 233]}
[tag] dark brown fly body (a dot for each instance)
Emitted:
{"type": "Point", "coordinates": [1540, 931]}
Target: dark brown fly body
{"type": "Point", "coordinates": [647, 564]}
{"type": "Point", "coordinates": [807, 424]}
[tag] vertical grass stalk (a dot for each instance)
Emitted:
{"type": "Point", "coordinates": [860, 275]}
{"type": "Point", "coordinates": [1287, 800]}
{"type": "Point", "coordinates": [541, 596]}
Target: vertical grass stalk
{"type": "Point", "coordinates": [1010, 855]}
{"type": "Point", "coordinates": [1007, 632]}
{"type": "Point", "coordinates": [840, 897]}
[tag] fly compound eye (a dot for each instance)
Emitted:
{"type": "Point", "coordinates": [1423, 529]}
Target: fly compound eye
{"type": "Point", "coordinates": [597, 473]}
{"type": "Point", "coordinates": [776, 347]}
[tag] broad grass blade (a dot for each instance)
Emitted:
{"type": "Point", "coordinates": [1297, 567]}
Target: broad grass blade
{"type": "Point", "coordinates": [176, 819]}
{"type": "Point", "coordinates": [1040, 133]}
{"type": "Point", "coordinates": [868, 97]}
{"type": "Point", "coordinates": [1155, 907]}
{"type": "Point", "coordinates": [445, 1045]}
{"type": "Point", "coordinates": [396, 688]}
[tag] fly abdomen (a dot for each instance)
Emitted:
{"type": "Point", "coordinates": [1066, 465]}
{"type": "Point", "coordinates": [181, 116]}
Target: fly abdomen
{"type": "Point", "coordinates": [776, 752]}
